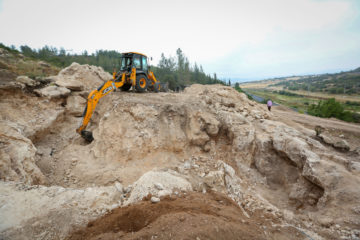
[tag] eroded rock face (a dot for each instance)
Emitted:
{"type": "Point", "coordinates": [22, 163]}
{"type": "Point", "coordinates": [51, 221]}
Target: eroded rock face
{"type": "Point", "coordinates": [41, 210]}
{"type": "Point", "coordinates": [75, 105]}
{"type": "Point", "coordinates": [71, 84]}
{"type": "Point", "coordinates": [149, 182]}
{"type": "Point", "coordinates": [209, 138]}
{"type": "Point", "coordinates": [53, 92]}
{"type": "Point", "coordinates": [26, 81]}
{"type": "Point", "coordinates": [17, 157]}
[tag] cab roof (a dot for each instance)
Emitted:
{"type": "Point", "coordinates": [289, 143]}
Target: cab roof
{"type": "Point", "coordinates": [135, 53]}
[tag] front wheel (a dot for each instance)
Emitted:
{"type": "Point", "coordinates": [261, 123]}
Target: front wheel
{"type": "Point", "coordinates": [141, 83]}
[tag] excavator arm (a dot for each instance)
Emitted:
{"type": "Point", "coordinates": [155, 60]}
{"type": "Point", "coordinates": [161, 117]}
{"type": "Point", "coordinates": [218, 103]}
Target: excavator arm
{"type": "Point", "coordinates": [94, 98]}
{"type": "Point", "coordinates": [152, 77]}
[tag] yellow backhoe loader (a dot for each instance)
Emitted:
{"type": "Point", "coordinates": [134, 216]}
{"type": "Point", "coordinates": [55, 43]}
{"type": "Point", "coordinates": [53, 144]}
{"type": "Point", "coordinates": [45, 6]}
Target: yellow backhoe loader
{"type": "Point", "coordinates": [134, 72]}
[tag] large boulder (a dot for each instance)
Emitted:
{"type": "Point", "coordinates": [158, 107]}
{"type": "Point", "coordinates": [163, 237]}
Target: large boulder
{"type": "Point", "coordinates": [90, 77]}
{"type": "Point", "coordinates": [75, 105]}
{"type": "Point", "coordinates": [149, 184]}
{"type": "Point", "coordinates": [25, 80]}
{"type": "Point", "coordinates": [53, 91]}
{"type": "Point", "coordinates": [71, 84]}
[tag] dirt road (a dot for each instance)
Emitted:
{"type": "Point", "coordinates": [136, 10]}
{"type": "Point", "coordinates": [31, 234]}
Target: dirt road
{"type": "Point", "coordinates": [333, 127]}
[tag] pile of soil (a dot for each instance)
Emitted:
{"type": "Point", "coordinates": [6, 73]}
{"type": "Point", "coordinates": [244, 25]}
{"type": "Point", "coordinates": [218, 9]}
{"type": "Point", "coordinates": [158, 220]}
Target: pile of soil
{"type": "Point", "coordinates": [187, 216]}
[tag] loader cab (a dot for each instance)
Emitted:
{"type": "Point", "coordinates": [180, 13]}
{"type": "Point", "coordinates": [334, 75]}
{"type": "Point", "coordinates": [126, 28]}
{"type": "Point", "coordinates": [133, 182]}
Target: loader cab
{"type": "Point", "coordinates": [132, 59]}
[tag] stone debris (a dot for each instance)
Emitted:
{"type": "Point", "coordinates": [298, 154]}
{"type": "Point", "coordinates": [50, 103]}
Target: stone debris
{"type": "Point", "coordinates": [205, 139]}
{"type": "Point", "coordinates": [155, 199]}
{"type": "Point", "coordinates": [71, 84]}
{"type": "Point", "coordinates": [53, 92]}
{"type": "Point", "coordinates": [342, 145]}
{"type": "Point", "coordinates": [25, 80]}
{"type": "Point", "coordinates": [75, 105]}
{"type": "Point", "coordinates": [119, 187]}
{"type": "Point", "coordinates": [146, 185]}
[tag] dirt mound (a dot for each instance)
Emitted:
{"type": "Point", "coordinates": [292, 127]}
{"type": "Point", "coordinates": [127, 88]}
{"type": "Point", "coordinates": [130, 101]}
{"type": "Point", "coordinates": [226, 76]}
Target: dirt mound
{"type": "Point", "coordinates": [205, 139]}
{"type": "Point", "coordinates": [187, 216]}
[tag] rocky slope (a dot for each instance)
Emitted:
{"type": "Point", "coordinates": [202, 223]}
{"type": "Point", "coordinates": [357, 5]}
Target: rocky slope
{"type": "Point", "coordinates": [208, 142]}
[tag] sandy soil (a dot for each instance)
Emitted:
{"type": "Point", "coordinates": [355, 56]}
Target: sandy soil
{"type": "Point", "coordinates": [333, 127]}
{"type": "Point", "coordinates": [187, 216]}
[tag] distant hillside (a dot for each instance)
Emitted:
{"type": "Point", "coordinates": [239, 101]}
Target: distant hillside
{"type": "Point", "coordinates": [13, 64]}
{"type": "Point", "coordinates": [338, 83]}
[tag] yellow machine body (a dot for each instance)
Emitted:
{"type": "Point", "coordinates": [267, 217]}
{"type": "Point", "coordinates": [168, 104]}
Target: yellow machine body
{"type": "Point", "coordinates": [141, 79]}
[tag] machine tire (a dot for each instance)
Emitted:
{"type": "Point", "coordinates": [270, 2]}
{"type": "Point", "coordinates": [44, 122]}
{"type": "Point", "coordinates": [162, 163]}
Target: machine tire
{"type": "Point", "coordinates": [125, 87]}
{"type": "Point", "coordinates": [141, 83]}
{"type": "Point", "coordinates": [157, 87]}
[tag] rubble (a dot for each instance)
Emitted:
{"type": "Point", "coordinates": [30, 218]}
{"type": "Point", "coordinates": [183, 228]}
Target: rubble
{"type": "Point", "coordinates": [53, 92]}
{"type": "Point", "coordinates": [208, 139]}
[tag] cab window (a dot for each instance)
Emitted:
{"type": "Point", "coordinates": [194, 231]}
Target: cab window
{"type": "Point", "coordinates": [144, 63]}
{"type": "Point", "coordinates": [137, 62]}
{"type": "Point", "coordinates": [125, 63]}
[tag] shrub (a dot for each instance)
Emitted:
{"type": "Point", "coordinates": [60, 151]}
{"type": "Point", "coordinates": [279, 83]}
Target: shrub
{"type": "Point", "coordinates": [332, 108]}
{"type": "Point", "coordinates": [239, 89]}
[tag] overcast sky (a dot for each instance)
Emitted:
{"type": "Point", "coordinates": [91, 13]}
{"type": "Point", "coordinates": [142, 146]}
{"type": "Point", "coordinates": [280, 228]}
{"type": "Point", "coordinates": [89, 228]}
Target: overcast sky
{"type": "Point", "coordinates": [237, 39]}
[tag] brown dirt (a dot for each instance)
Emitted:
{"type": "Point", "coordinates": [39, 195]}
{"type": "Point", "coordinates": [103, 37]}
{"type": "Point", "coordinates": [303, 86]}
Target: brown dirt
{"type": "Point", "coordinates": [333, 127]}
{"type": "Point", "coordinates": [190, 216]}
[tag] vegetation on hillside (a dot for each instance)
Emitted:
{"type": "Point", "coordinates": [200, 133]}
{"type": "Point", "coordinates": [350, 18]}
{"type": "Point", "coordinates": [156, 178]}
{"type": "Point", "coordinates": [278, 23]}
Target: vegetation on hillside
{"type": "Point", "coordinates": [339, 83]}
{"type": "Point", "coordinates": [332, 108]}
{"type": "Point", "coordinates": [177, 71]}
{"type": "Point", "coordinates": [238, 88]}
{"type": "Point", "coordinates": [347, 111]}
{"type": "Point", "coordinates": [13, 63]}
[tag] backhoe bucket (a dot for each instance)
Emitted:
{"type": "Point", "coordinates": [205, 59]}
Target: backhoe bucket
{"type": "Point", "coordinates": [87, 135]}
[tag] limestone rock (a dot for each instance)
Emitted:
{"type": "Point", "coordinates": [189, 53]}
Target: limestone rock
{"type": "Point", "coordinates": [119, 187]}
{"type": "Point", "coordinates": [146, 184]}
{"type": "Point", "coordinates": [342, 145]}
{"type": "Point", "coordinates": [27, 81]}
{"type": "Point", "coordinates": [17, 157]}
{"type": "Point", "coordinates": [75, 105]}
{"type": "Point", "coordinates": [44, 64]}
{"type": "Point", "coordinates": [53, 92]}
{"type": "Point", "coordinates": [327, 139]}
{"type": "Point", "coordinates": [155, 199]}
{"type": "Point", "coordinates": [215, 179]}
{"type": "Point", "coordinates": [159, 186]}
{"type": "Point", "coordinates": [354, 167]}
{"type": "Point", "coordinates": [90, 77]}
{"type": "Point", "coordinates": [195, 131]}
{"type": "Point", "coordinates": [51, 78]}
{"type": "Point", "coordinates": [67, 207]}
{"type": "Point", "coordinates": [325, 221]}
{"type": "Point", "coordinates": [69, 83]}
